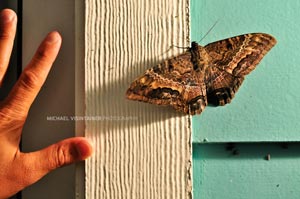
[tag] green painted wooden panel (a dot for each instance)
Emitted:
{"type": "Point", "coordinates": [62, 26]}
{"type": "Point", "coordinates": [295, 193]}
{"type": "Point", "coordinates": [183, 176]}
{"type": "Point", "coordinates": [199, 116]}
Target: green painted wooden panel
{"type": "Point", "coordinates": [242, 172]}
{"type": "Point", "coordinates": [267, 106]}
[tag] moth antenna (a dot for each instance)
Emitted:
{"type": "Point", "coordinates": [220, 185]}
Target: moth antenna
{"type": "Point", "coordinates": [173, 46]}
{"type": "Point", "coordinates": [209, 30]}
{"type": "Point", "coordinates": [169, 49]}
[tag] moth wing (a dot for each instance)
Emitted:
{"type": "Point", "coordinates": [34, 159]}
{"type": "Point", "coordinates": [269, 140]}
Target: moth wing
{"type": "Point", "coordinates": [231, 60]}
{"type": "Point", "coordinates": [172, 82]}
{"type": "Point", "coordinates": [221, 87]}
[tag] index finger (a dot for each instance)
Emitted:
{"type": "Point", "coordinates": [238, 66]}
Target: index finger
{"type": "Point", "coordinates": [34, 75]}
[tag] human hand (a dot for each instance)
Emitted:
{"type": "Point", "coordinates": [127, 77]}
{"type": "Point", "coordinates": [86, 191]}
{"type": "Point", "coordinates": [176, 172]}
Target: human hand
{"type": "Point", "coordinates": [19, 170]}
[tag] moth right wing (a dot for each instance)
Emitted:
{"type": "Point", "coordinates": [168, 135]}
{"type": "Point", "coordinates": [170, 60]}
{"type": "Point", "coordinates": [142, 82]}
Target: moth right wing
{"type": "Point", "coordinates": [231, 60]}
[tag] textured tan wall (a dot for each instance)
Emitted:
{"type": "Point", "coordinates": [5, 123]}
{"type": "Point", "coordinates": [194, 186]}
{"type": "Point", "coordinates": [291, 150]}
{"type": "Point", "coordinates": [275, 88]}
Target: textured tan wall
{"type": "Point", "coordinates": [141, 151]}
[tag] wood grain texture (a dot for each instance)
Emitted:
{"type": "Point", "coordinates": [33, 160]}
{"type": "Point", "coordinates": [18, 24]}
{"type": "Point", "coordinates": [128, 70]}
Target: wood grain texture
{"type": "Point", "coordinates": [141, 151]}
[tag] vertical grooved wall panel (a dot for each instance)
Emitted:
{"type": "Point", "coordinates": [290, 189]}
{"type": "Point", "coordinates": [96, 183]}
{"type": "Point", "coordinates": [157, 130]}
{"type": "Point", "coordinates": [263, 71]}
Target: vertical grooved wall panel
{"type": "Point", "coordinates": [141, 150]}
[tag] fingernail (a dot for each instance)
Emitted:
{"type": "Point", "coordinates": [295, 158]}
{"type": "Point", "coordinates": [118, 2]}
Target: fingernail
{"type": "Point", "coordinates": [84, 149]}
{"type": "Point", "coordinates": [7, 17]}
{"type": "Point", "coordinates": [53, 37]}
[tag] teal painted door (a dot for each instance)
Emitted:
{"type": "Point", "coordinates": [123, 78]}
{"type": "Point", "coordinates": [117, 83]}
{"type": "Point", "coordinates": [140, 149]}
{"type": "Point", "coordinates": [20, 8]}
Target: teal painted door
{"type": "Point", "coordinates": [264, 113]}
{"type": "Point", "coordinates": [246, 171]}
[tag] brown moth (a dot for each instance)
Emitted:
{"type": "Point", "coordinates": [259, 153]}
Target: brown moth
{"type": "Point", "coordinates": [201, 75]}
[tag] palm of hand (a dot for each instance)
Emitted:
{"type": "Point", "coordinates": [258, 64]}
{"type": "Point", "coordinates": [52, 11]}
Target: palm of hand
{"type": "Point", "coordinates": [19, 170]}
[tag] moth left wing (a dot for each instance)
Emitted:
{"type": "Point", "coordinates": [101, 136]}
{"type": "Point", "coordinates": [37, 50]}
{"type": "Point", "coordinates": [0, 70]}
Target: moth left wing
{"type": "Point", "coordinates": [172, 82]}
{"type": "Point", "coordinates": [231, 60]}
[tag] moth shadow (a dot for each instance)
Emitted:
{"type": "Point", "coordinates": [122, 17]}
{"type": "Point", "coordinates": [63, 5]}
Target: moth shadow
{"type": "Point", "coordinates": [114, 112]}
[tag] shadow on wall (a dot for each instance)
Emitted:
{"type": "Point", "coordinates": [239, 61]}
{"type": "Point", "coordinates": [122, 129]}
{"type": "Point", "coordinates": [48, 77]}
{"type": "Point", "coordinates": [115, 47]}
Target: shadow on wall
{"type": "Point", "coordinates": [120, 113]}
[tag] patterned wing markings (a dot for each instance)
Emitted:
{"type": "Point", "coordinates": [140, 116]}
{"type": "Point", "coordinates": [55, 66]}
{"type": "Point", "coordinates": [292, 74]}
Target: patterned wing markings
{"type": "Point", "coordinates": [201, 75]}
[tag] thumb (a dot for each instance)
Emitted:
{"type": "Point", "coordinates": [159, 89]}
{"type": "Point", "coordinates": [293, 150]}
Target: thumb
{"type": "Point", "coordinates": [63, 153]}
